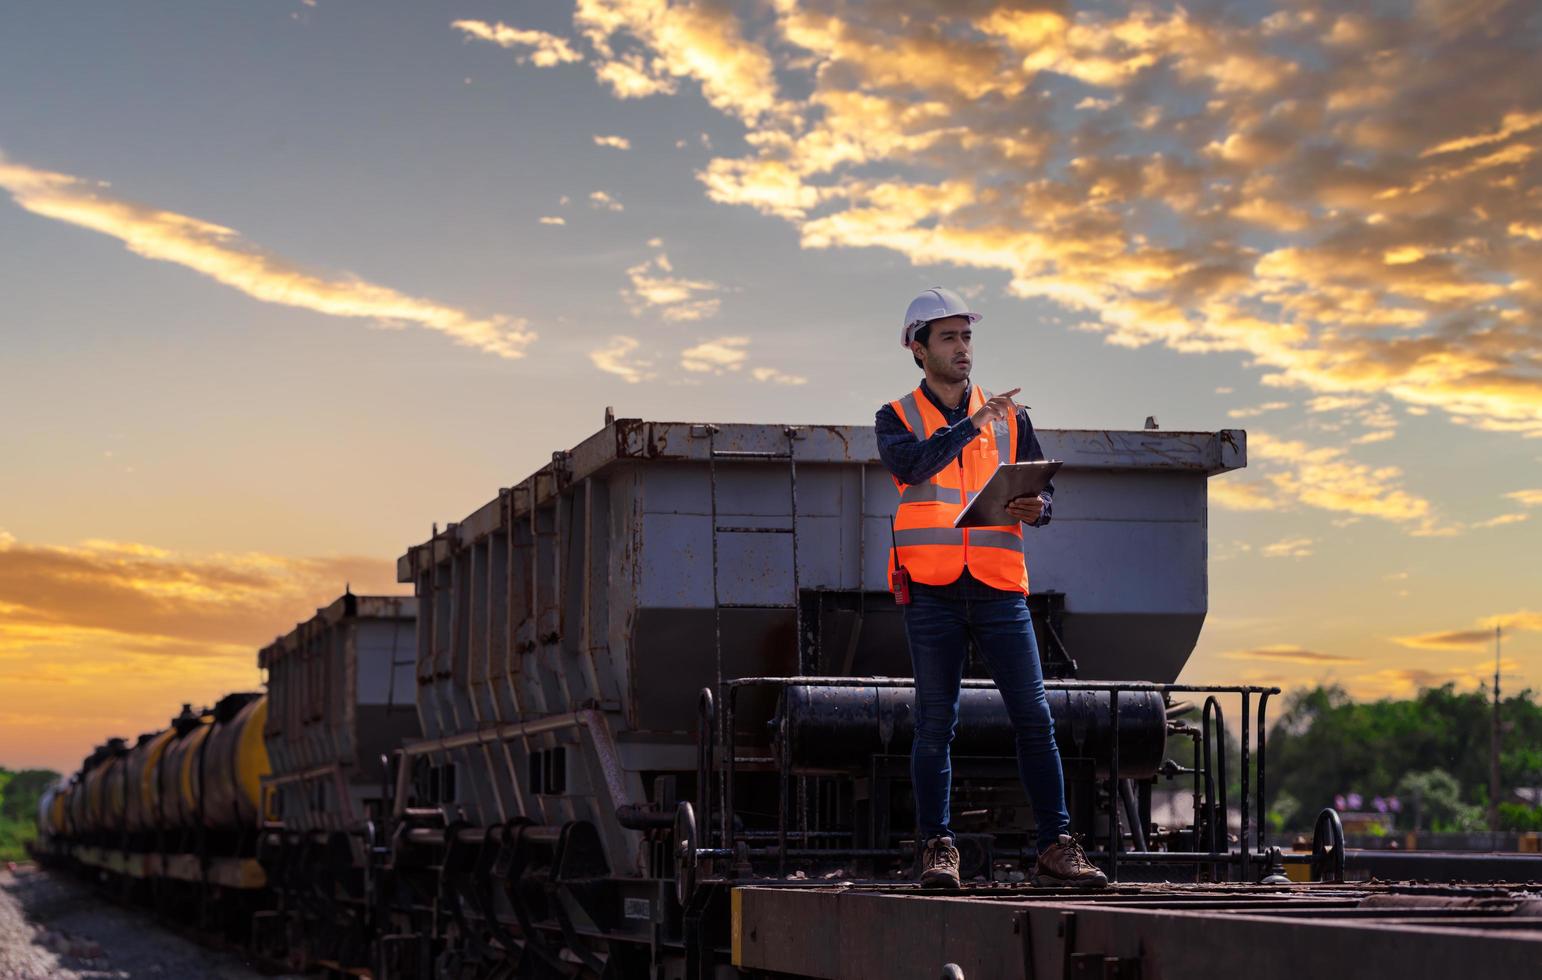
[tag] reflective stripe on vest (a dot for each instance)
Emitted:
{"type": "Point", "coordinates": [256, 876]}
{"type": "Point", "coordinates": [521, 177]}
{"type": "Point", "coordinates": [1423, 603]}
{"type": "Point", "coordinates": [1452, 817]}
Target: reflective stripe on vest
{"type": "Point", "coordinates": [911, 413]}
{"type": "Point", "coordinates": [978, 537]}
{"type": "Point", "coordinates": [935, 552]}
{"type": "Point", "coordinates": [984, 537]}
{"type": "Point", "coordinates": [928, 491]}
{"type": "Point", "coordinates": [912, 536]}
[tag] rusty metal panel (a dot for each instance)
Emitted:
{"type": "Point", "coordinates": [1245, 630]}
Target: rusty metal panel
{"type": "Point", "coordinates": [1146, 449]}
{"type": "Point", "coordinates": [474, 778]}
{"type": "Point", "coordinates": [594, 611]}
{"type": "Point", "coordinates": [341, 692]}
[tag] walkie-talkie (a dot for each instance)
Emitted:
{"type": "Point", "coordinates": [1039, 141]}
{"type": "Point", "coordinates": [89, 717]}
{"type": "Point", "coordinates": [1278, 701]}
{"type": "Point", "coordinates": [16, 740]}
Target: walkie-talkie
{"type": "Point", "coordinates": [899, 581]}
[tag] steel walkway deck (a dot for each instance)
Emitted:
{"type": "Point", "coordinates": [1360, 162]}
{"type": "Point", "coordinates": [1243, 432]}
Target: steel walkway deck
{"type": "Point", "coordinates": [1178, 932]}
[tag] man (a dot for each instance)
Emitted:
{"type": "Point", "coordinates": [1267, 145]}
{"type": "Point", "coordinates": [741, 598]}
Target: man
{"type": "Point", "coordinates": [941, 442]}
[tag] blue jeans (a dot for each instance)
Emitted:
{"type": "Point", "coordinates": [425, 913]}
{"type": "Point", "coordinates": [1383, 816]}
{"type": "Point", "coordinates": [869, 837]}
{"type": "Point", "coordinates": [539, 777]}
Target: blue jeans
{"type": "Point", "coordinates": [939, 621]}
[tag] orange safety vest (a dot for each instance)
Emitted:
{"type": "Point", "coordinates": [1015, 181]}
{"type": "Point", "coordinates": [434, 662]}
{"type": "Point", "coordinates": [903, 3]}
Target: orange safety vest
{"type": "Point", "coordinates": [928, 545]}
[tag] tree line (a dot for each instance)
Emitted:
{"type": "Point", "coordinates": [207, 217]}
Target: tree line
{"type": "Point", "coordinates": [19, 794]}
{"type": "Point", "coordinates": [1423, 761]}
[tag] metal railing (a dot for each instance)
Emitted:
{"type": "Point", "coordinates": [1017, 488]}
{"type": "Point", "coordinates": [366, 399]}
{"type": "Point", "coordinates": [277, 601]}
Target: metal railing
{"type": "Point", "coordinates": [1210, 772]}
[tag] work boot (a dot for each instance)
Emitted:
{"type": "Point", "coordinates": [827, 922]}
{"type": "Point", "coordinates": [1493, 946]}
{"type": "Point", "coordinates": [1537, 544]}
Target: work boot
{"type": "Point", "coordinates": [939, 864]}
{"type": "Point", "coordinates": [1064, 864]}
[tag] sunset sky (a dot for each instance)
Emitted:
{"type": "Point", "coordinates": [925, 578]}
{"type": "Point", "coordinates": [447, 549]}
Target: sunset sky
{"type": "Point", "coordinates": [283, 282]}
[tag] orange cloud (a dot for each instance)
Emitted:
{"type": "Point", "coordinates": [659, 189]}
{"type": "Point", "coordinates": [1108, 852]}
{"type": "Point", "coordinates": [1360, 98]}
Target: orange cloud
{"type": "Point", "coordinates": [654, 288]}
{"type": "Point", "coordinates": [724, 354]}
{"type": "Point", "coordinates": [1325, 477]}
{"type": "Point", "coordinates": [1236, 494]}
{"type": "Point", "coordinates": [601, 200]}
{"type": "Point", "coordinates": [777, 377]}
{"type": "Point", "coordinates": [221, 254]}
{"type": "Point", "coordinates": [1524, 620]}
{"type": "Point", "coordinates": [1257, 410]}
{"type": "Point", "coordinates": [877, 57]}
{"type": "Point", "coordinates": [619, 357]}
{"type": "Point", "coordinates": [716, 356]}
{"type": "Point", "coordinates": [1501, 520]}
{"type": "Point", "coordinates": [1290, 654]}
{"type": "Point", "coordinates": [1483, 636]}
{"type": "Point", "coordinates": [1513, 124]}
{"type": "Point", "coordinates": [110, 638]}
{"type": "Point", "coordinates": [542, 49]}
{"type": "Point", "coordinates": [164, 602]}
{"type": "Point", "coordinates": [1381, 435]}
{"type": "Point", "coordinates": [1288, 548]}
{"type": "Point", "coordinates": [1450, 640]}
{"type": "Point", "coordinates": [1402, 682]}
{"type": "Point", "coordinates": [701, 41]}
{"type": "Point", "coordinates": [1350, 233]}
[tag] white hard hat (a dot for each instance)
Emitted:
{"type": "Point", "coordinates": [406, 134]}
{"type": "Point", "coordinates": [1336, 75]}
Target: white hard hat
{"type": "Point", "coordinates": [934, 304]}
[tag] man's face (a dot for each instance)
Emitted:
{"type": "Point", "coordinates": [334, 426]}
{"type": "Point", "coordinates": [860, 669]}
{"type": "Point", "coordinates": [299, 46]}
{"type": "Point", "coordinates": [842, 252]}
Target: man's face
{"type": "Point", "coordinates": [947, 353]}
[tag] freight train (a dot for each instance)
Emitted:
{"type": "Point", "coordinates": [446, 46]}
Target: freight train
{"type": "Point", "coordinates": [647, 714]}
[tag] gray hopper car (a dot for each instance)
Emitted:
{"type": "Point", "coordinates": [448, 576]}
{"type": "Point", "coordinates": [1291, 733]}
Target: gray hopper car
{"type": "Point", "coordinates": [343, 692]}
{"type": "Point", "coordinates": [567, 627]}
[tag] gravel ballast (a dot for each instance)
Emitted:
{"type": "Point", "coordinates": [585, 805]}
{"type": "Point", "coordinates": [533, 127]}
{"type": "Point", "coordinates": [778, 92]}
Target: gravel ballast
{"type": "Point", "coordinates": [53, 927]}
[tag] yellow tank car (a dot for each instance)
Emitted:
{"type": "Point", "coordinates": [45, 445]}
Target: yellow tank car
{"type": "Point", "coordinates": [96, 811]}
{"type": "Point", "coordinates": [59, 813]}
{"type": "Point", "coordinates": [89, 812]}
{"type": "Point", "coordinates": [114, 795]}
{"type": "Point", "coordinates": [235, 760]}
{"type": "Point", "coordinates": [78, 819]}
{"type": "Point", "coordinates": [142, 811]}
{"type": "Point", "coordinates": [178, 806]}
{"type": "Point", "coordinates": [48, 808]}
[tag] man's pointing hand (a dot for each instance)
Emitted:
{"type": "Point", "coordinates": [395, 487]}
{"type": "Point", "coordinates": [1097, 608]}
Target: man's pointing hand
{"type": "Point", "coordinates": [999, 407]}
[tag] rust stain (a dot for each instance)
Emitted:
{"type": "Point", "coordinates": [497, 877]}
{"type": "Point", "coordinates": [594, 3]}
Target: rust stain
{"type": "Point", "coordinates": [562, 469]}
{"type": "Point", "coordinates": [637, 439]}
{"type": "Point", "coordinates": [839, 432]}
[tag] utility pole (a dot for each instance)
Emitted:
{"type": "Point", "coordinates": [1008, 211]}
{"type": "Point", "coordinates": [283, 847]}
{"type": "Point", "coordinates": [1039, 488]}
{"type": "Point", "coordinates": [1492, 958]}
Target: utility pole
{"type": "Point", "coordinates": [1493, 746]}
